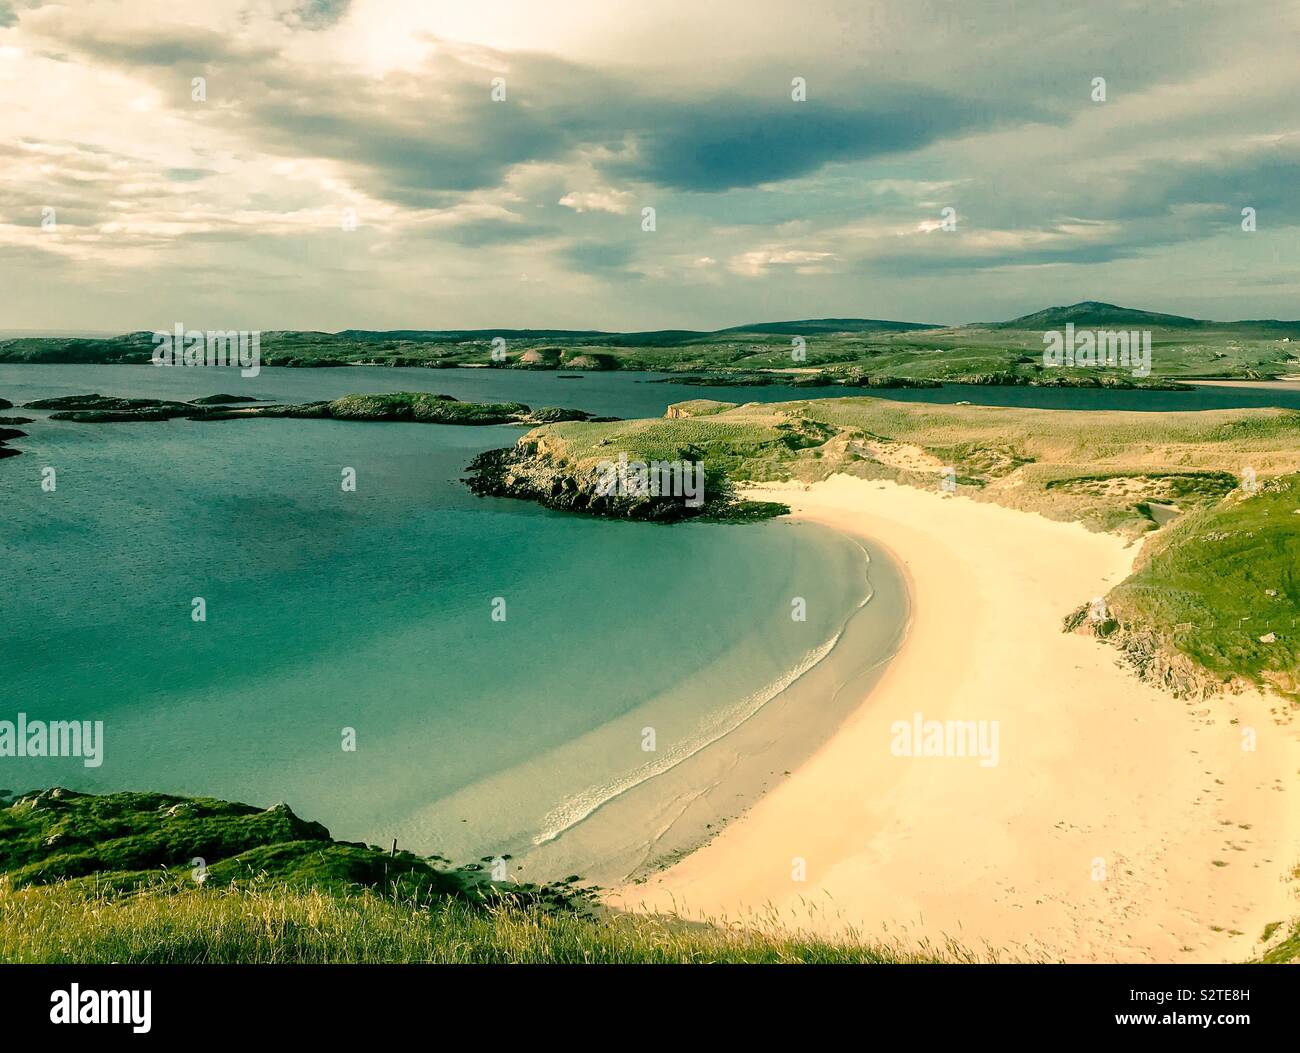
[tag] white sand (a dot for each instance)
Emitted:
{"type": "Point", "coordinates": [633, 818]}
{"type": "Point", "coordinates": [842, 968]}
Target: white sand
{"type": "Point", "coordinates": [1095, 769]}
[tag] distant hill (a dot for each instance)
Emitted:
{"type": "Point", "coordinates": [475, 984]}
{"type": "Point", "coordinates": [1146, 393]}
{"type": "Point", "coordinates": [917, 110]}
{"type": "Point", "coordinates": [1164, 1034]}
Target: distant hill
{"type": "Point", "coordinates": [829, 325]}
{"type": "Point", "coordinates": [464, 334]}
{"type": "Point", "coordinates": [1092, 313]}
{"type": "Point", "coordinates": [652, 337]}
{"type": "Point", "coordinates": [871, 350]}
{"type": "Point", "coordinates": [1100, 315]}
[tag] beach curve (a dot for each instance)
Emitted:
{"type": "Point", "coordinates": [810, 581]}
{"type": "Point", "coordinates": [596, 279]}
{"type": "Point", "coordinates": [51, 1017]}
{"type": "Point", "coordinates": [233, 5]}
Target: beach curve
{"type": "Point", "coordinates": [1118, 823]}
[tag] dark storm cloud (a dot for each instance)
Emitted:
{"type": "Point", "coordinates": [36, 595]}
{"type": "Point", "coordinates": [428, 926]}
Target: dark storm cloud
{"type": "Point", "coordinates": [1266, 178]}
{"type": "Point", "coordinates": [413, 153]}
{"type": "Point", "coordinates": [422, 138]}
{"type": "Point", "coordinates": [720, 144]}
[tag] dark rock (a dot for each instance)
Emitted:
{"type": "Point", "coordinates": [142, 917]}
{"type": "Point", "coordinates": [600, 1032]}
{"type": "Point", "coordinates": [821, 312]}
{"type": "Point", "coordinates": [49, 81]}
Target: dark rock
{"type": "Point", "coordinates": [118, 416]}
{"type": "Point", "coordinates": [306, 411]}
{"type": "Point", "coordinates": [219, 400]}
{"type": "Point", "coordinates": [103, 409]}
{"type": "Point", "coordinates": [553, 414]}
{"type": "Point", "coordinates": [105, 402]}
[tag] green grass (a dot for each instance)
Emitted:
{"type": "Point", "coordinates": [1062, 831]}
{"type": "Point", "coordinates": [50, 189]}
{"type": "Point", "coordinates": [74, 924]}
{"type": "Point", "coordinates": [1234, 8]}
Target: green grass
{"type": "Point", "coordinates": [750, 448]}
{"type": "Point", "coordinates": [1218, 580]}
{"type": "Point", "coordinates": [1288, 950]}
{"type": "Point", "coordinates": [126, 839]}
{"type": "Point", "coordinates": [111, 878]}
{"type": "Point", "coordinates": [270, 923]}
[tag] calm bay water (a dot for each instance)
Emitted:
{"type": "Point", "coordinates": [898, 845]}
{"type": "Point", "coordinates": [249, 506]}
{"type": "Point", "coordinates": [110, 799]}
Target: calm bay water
{"type": "Point", "coordinates": [372, 610]}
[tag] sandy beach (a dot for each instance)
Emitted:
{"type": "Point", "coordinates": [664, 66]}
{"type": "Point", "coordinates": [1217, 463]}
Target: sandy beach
{"type": "Point", "coordinates": [1112, 822]}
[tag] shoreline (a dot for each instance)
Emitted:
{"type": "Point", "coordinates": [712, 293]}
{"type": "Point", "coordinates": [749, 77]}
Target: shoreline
{"type": "Point", "coordinates": [1119, 824]}
{"type": "Point", "coordinates": [649, 825]}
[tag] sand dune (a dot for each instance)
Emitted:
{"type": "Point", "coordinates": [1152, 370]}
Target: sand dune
{"type": "Point", "coordinates": [1118, 823]}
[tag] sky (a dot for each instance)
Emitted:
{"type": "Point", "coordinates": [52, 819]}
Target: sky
{"type": "Point", "coordinates": [385, 164]}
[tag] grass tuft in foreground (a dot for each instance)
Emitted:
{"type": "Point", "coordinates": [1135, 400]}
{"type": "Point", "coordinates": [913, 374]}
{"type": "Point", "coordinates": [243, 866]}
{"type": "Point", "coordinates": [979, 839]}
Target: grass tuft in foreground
{"type": "Point", "coordinates": [278, 924]}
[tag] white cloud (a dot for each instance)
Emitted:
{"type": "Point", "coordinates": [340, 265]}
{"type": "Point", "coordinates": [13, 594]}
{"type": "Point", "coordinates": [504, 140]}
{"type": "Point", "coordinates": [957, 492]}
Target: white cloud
{"type": "Point", "coordinates": [757, 262]}
{"type": "Point", "coordinates": [616, 202]}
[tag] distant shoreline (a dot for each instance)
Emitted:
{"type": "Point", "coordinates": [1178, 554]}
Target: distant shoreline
{"type": "Point", "coordinates": [799, 375]}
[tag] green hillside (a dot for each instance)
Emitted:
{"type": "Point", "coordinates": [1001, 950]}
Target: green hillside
{"type": "Point", "coordinates": [846, 349]}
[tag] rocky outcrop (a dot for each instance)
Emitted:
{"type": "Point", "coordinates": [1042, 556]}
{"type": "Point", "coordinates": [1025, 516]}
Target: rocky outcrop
{"type": "Point", "coordinates": [5, 435]}
{"type": "Point", "coordinates": [591, 361]}
{"type": "Point", "coordinates": [443, 409]}
{"type": "Point", "coordinates": [1148, 656]}
{"type": "Point", "coordinates": [554, 414]}
{"type": "Point", "coordinates": [104, 402]}
{"type": "Point", "coordinates": [1047, 379]}
{"type": "Point", "coordinates": [875, 380]}
{"type": "Point", "coordinates": [539, 358]}
{"type": "Point", "coordinates": [531, 471]}
{"type": "Point", "coordinates": [104, 409]}
{"type": "Point", "coordinates": [223, 400]}
{"type": "Point", "coordinates": [417, 407]}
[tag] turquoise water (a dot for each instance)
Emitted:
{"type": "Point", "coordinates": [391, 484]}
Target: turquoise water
{"type": "Point", "coordinates": [372, 610]}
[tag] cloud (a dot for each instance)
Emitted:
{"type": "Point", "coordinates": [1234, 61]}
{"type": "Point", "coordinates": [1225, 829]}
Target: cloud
{"type": "Point", "coordinates": [381, 128]}
{"type": "Point", "coordinates": [318, 14]}
{"type": "Point", "coordinates": [617, 202]}
{"type": "Point", "coordinates": [718, 144]}
{"type": "Point", "coordinates": [760, 261]}
{"type": "Point", "coordinates": [1265, 176]}
{"type": "Point", "coordinates": [316, 106]}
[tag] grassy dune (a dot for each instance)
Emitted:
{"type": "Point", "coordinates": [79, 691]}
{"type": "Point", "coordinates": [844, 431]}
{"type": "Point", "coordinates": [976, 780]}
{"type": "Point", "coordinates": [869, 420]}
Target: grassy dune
{"type": "Point", "coordinates": [1222, 586]}
{"type": "Point", "coordinates": [1104, 470]}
